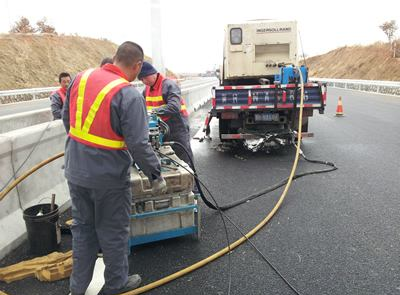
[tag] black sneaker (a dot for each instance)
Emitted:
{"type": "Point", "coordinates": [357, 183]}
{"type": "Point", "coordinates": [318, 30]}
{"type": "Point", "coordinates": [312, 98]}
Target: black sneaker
{"type": "Point", "coordinates": [133, 282]}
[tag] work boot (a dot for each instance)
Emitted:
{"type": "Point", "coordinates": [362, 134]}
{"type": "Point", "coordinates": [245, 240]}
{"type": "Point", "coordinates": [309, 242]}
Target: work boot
{"type": "Point", "coordinates": [133, 282]}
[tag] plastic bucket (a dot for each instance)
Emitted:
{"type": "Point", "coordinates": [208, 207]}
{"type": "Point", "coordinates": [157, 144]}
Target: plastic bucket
{"type": "Point", "coordinates": [43, 231]}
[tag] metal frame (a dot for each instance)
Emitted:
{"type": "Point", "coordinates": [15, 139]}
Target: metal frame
{"type": "Point", "coordinates": [191, 230]}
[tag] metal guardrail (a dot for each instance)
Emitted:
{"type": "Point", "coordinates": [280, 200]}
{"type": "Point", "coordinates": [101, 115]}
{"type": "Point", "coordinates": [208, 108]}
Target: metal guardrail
{"type": "Point", "coordinates": [196, 93]}
{"type": "Point", "coordinates": [17, 95]}
{"type": "Point", "coordinates": [382, 87]}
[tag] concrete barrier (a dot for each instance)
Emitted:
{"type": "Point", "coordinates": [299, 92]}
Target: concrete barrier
{"type": "Point", "coordinates": [381, 87]}
{"type": "Point", "coordinates": [196, 93]}
{"type": "Point", "coordinates": [196, 96]}
{"type": "Point", "coordinates": [21, 120]}
{"type": "Point", "coordinates": [47, 140]}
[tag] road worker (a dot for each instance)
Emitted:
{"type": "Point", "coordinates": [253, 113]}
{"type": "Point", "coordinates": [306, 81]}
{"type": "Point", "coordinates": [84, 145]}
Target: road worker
{"type": "Point", "coordinates": [107, 125]}
{"type": "Point", "coordinates": [163, 96]}
{"type": "Point", "coordinates": [57, 98]}
{"type": "Point", "coordinates": [106, 60]}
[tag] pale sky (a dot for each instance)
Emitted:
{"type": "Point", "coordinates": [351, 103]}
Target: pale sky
{"type": "Point", "coordinates": [193, 31]}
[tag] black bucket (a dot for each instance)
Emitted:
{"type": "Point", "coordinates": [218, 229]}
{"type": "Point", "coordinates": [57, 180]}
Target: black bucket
{"type": "Point", "coordinates": [43, 230]}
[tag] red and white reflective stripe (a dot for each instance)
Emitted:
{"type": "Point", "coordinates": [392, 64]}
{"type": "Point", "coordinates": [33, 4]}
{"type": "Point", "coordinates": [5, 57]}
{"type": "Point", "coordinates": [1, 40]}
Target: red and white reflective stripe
{"type": "Point", "coordinates": [324, 97]}
{"type": "Point", "coordinates": [285, 105]}
{"type": "Point", "coordinates": [310, 105]}
{"type": "Point", "coordinates": [263, 107]}
{"type": "Point", "coordinates": [232, 136]}
{"type": "Point", "coordinates": [207, 120]}
{"type": "Point", "coordinates": [264, 86]}
{"type": "Point", "coordinates": [252, 107]}
{"type": "Point", "coordinates": [284, 97]}
{"type": "Point", "coordinates": [249, 98]}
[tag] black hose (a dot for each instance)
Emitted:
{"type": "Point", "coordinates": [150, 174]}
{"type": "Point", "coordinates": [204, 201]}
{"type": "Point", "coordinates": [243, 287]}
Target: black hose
{"type": "Point", "coordinates": [223, 214]}
{"type": "Point", "coordinates": [203, 197]}
{"type": "Point", "coordinates": [281, 183]}
{"type": "Point", "coordinates": [259, 193]}
{"type": "Point", "coordinates": [164, 126]}
{"type": "Point", "coordinates": [209, 204]}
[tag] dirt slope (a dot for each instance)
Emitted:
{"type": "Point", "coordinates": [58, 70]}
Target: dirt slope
{"type": "Point", "coordinates": [373, 62]}
{"type": "Point", "coordinates": [36, 60]}
{"type": "Point", "coordinates": [32, 60]}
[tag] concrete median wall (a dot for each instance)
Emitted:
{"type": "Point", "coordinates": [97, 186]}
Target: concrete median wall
{"type": "Point", "coordinates": [381, 87]}
{"type": "Point", "coordinates": [16, 148]}
{"type": "Point", "coordinates": [196, 96]}
{"type": "Point", "coordinates": [25, 119]}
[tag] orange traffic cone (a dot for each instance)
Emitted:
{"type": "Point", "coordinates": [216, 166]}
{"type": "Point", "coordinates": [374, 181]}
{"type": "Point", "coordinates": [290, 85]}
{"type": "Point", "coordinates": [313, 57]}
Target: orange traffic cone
{"type": "Point", "coordinates": [339, 109]}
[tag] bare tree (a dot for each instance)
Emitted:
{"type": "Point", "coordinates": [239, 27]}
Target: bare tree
{"type": "Point", "coordinates": [43, 27]}
{"type": "Point", "coordinates": [22, 26]}
{"type": "Point", "coordinates": [389, 28]}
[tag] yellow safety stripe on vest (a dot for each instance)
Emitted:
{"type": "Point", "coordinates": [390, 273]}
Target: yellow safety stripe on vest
{"type": "Point", "coordinates": [183, 107]}
{"type": "Point", "coordinates": [154, 98]}
{"type": "Point", "coordinates": [97, 102]}
{"type": "Point", "coordinates": [79, 102]}
{"type": "Point", "coordinates": [96, 139]}
{"type": "Point", "coordinates": [149, 108]}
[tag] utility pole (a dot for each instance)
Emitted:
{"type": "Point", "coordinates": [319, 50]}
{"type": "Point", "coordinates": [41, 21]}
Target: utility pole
{"type": "Point", "coordinates": [156, 36]}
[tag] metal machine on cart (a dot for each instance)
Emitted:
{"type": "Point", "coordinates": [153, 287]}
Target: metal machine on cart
{"type": "Point", "coordinates": [170, 215]}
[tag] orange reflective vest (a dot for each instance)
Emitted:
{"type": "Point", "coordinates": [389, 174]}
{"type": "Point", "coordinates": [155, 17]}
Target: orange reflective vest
{"type": "Point", "coordinates": [61, 92]}
{"type": "Point", "coordinates": [90, 105]}
{"type": "Point", "coordinates": [154, 98]}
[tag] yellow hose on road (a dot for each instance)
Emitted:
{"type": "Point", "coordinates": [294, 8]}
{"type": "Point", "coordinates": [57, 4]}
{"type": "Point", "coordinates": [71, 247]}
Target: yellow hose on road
{"type": "Point", "coordinates": [240, 241]}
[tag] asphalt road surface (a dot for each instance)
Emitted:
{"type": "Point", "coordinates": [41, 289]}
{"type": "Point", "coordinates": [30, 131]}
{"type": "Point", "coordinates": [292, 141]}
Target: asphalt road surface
{"type": "Point", "coordinates": [336, 233]}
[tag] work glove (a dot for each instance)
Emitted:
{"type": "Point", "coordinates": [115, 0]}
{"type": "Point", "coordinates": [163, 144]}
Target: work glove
{"type": "Point", "coordinates": [159, 186]}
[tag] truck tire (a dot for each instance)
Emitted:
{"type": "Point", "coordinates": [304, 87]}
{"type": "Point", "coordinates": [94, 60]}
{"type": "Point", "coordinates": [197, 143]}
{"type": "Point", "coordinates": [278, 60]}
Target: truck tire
{"type": "Point", "coordinates": [223, 128]}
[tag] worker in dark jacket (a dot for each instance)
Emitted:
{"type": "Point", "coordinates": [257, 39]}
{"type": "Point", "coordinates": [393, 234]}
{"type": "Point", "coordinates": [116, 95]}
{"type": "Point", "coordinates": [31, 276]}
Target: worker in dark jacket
{"type": "Point", "coordinates": [107, 125]}
{"type": "Point", "coordinates": [57, 98]}
{"type": "Point", "coordinates": [106, 60]}
{"type": "Point", "coordinates": [163, 96]}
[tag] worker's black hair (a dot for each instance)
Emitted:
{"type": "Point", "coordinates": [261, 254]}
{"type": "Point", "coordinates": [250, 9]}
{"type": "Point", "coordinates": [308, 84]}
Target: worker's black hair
{"type": "Point", "coordinates": [128, 53]}
{"type": "Point", "coordinates": [106, 60]}
{"type": "Point", "coordinates": [63, 75]}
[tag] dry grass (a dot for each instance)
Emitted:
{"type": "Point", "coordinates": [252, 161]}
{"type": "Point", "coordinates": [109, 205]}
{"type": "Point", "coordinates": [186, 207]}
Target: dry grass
{"type": "Point", "coordinates": [373, 62]}
{"type": "Point", "coordinates": [36, 60]}
{"type": "Point", "coordinates": [31, 60]}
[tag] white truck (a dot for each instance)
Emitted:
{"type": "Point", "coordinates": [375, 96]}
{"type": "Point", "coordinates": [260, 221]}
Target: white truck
{"type": "Point", "coordinates": [257, 101]}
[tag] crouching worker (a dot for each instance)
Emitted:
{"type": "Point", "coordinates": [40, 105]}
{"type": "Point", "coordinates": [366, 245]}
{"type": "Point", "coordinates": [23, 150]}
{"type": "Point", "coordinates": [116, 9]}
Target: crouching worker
{"type": "Point", "coordinates": [163, 96]}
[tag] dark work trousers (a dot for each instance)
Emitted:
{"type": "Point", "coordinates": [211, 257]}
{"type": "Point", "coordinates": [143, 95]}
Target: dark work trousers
{"type": "Point", "coordinates": [101, 219]}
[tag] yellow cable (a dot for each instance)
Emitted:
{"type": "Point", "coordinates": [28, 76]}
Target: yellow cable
{"type": "Point", "coordinates": [240, 241]}
{"type": "Point", "coordinates": [4, 192]}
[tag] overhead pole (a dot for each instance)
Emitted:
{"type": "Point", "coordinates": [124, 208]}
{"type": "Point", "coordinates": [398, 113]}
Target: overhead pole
{"type": "Point", "coordinates": [156, 36]}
